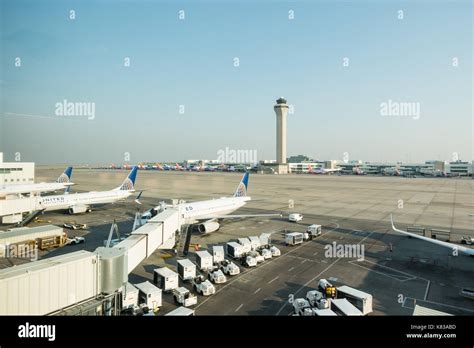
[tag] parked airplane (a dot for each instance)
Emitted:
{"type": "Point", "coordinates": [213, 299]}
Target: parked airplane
{"type": "Point", "coordinates": [319, 170]}
{"type": "Point", "coordinates": [158, 166]}
{"type": "Point", "coordinates": [453, 247]}
{"type": "Point", "coordinates": [62, 182]}
{"type": "Point", "coordinates": [82, 202]}
{"type": "Point", "coordinates": [206, 214]}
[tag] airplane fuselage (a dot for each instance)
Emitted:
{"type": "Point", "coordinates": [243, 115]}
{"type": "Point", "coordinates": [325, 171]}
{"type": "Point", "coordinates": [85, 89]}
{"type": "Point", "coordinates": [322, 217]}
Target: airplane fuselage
{"type": "Point", "coordinates": [202, 210]}
{"type": "Point", "coordinates": [60, 202]}
{"type": "Point", "coordinates": [14, 189]}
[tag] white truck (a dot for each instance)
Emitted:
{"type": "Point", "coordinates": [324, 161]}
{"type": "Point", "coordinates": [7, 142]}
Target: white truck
{"type": "Point", "coordinates": [257, 256]}
{"type": "Point", "coordinates": [313, 231]}
{"type": "Point", "coordinates": [254, 242]}
{"type": "Point", "coordinates": [186, 269]}
{"type": "Point", "coordinates": [295, 217]}
{"type": "Point", "coordinates": [343, 307]}
{"type": "Point", "coordinates": [149, 295]}
{"type": "Point", "coordinates": [246, 245]}
{"type": "Point", "coordinates": [275, 251]}
{"type": "Point", "coordinates": [204, 260]}
{"type": "Point", "coordinates": [294, 238]}
{"type": "Point", "coordinates": [75, 240]}
{"type": "Point", "coordinates": [266, 253]}
{"type": "Point", "coordinates": [203, 286]}
{"type": "Point", "coordinates": [218, 254]}
{"type": "Point", "coordinates": [235, 250]}
{"type": "Point", "coordinates": [299, 306]}
{"type": "Point", "coordinates": [313, 297]}
{"type": "Point", "coordinates": [181, 311]}
{"type": "Point", "coordinates": [217, 276]}
{"type": "Point", "coordinates": [165, 278]}
{"type": "Point", "coordinates": [249, 261]}
{"type": "Point", "coordinates": [229, 268]}
{"type": "Point", "coordinates": [184, 297]}
{"type": "Point", "coordinates": [360, 299]}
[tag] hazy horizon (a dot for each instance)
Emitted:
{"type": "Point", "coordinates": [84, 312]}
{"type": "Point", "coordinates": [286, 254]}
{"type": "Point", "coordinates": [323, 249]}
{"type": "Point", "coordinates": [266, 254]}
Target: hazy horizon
{"type": "Point", "coordinates": [162, 85]}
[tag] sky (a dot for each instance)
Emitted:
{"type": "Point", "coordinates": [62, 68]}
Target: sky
{"type": "Point", "coordinates": [160, 87]}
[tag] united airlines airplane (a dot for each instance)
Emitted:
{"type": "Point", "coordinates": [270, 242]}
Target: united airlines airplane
{"type": "Point", "coordinates": [62, 182]}
{"type": "Point", "coordinates": [206, 214]}
{"type": "Point", "coordinates": [77, 203]}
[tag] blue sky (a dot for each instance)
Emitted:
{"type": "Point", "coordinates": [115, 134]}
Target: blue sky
{"type": "Point", "coordinates": [191, 62]}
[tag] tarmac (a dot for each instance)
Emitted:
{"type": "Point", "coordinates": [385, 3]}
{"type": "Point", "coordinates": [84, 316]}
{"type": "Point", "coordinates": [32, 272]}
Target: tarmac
{"type": "Point", "coordinates": [354, 210]}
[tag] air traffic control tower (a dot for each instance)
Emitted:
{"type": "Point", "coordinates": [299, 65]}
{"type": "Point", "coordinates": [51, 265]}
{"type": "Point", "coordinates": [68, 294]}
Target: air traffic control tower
{"type": "Point", "coordinates": [281, 111]}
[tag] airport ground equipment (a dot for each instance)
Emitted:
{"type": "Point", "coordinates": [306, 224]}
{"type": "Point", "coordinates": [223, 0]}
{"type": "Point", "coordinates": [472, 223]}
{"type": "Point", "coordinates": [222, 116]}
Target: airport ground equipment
{"type": "Point", "coordinates": [129, 296]}
{"type": "Point", "coordinates": [254, 242]}
{"type": "Point", "coordinates": [186, 269]}
{"type": "Point", "coordinates": [181, 311]}
{"type": "Point", "coordinates": [313, 296]}
{"type": "Point", "coordinates": [184, 297]}
{"type": "Point", "coordinates": [299, 305]}
{"type": "Point", "coordinates": [265, 240]}
{"type": "Point", "coordinates": [90, 275]}
{"type": "Point", "coordinates": [75, 240]}
{"type": "Point", "coordinates": [204, 260]}
{"type": "Point", "coordinates": [360, 299]}
{"type": "Point", "coordinates": [217, 276]}
{"type": "Point", "coordinates": [246, 245]}
{"type": "Point", "coordinates": [235, 250]}
{"type": "Point", "coordinates": [323, 312]}
{"type": "Point", "coordinates": [343, 307]}
{"type": "Point", "coordinates": [249, 261]}
{"type": "Point", "coordinates": [295, 217]}
{"type": "Point", "coordinates": [294, 238]}
{"type": "Point", "coordinates": [328, 289]}
{"type": "Point", "coordinates": [165, 279]}
{"type": "Point", "coordinates": [229, 268]}
{"type": "Point", "coordinates": [275, 251]}
{"type": "Point", "coordinates": [218, 254]}
{"type": "Point", "coordinates": [467, 240]}
{"type": "Point", "coordinates": [203, 286]}
{"type": "Point", "coordinates": [149, 295]}
{"type": "Point", "coordinates": [313, 230]}
{"type": "Point", "coordinates": [266, 253]}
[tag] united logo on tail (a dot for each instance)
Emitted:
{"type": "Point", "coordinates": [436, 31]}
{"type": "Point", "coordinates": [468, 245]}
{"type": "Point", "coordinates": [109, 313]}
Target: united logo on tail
{"type": "Point", "coordinates": [129, 182]}
{"type": "Point", "coordinates": [242, 188]}
{"type": "Point", "coordinates": [64, 177]}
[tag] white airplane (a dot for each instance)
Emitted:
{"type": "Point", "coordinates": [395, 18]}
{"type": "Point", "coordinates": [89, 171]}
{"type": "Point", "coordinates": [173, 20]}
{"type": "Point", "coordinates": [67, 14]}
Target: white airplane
{"type": "Point", "coordinates": [453, 247]}
{"type": "Point", "coordinates": [319, 170]}
{"type": "Point", "coordinates": [62, 182]}
{"type": "Point", "coordinates": [78, 203]}
{"type": "Point", "coordinates": [206, 214]}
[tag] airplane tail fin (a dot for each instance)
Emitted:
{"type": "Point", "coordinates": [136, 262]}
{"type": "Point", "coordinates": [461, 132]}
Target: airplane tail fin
{"type": "Point", "coordinates": [242, 188]}
{"type": "Point", "coordinates": [129, 182]}
{"type": "Point", "coordinates": [65, 176]}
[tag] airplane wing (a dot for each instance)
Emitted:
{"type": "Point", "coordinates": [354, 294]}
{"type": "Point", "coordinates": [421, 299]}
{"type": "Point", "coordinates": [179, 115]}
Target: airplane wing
{"type": "Point", "coordinates": [222, 217]}
{"type": "Point", "coordinates": [464, 250]}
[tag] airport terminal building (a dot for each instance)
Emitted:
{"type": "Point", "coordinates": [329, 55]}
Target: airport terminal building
{"type": "Point", "coordinates": [16, 172]}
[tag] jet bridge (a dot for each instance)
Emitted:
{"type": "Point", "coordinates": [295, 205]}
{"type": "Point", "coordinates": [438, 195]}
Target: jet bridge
{"type": "Point", "coordinates": [50, 285]}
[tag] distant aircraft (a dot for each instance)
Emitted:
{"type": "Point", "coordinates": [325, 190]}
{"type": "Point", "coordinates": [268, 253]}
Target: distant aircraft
{"type": "Point", "coordinates": [62, 182]}
{"type": "Point", "coordinates": [358, 171]}
{"type": "Point", "coordinates": [453, 247]}
{"type": "Point", "coordinates": [158, 166]}
{"type": "Point", "coordinates": [206, 214]}
{"type": "Point", "coordinates": [82, 202]}
{"type": "Point", "coordinates": [178, 167]}
{"type": "Point", "coordinates": [319, 170]}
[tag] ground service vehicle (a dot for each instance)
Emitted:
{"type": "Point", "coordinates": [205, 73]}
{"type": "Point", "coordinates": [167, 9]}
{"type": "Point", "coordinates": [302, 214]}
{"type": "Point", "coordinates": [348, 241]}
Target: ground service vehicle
{"type": "Point", "coordinates": [275, 251]}
{"type": "Point", "coordinates": [360, 299]}
{"type": "Point", "coordinates": [295, 217]}
{"type": "Point", "coordinates": [165, 278]}
{"type": "Point", "coordinates": [229, 268]}
{"type": "Point", "coordinates": [266, 253]}
{"type": "Point", "coordinates": [341, 306]}
{"type": "Point", "coordinates": [313, 230]}
{"type": "Point", "coordinates": [294, 238]}
{"type": "Point", "coordinates": [235, 250]}
{"type": "Point", "coordinates": [184, 297]}
{"type": "Point", "coordinates": [75, 240]}
{"type": "Point", "coordinates": [217, 276]}
{"type": "Point", "coordinates": [203, 286]}
{"type": "Point", "coordinates": [249, 261]}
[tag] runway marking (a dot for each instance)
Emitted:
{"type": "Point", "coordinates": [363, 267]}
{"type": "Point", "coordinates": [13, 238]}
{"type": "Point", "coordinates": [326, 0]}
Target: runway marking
{"type": "Point", "coordinates": [257, 290]}
{"type": "Point", "coordinates": [318, 275]}
{"type": "Point", "coordinates": [324, 261]}
{"type": "Point", "coordinates": [271, 281]}
{"type": "Point", "coordinates": [292, 268]}
{"type": "Point", "coordinates": [237, 309]}
{"type": "Point", "coordinates": [304, 260]}
{"type": "Point", "coordinates": [236, 278]}
{"type": "Point", "coordinates": [407, 275]}
{"type": "Point", "coordinates": [427, 289]}
{"type": "Point", "coordinates": [316, 253]}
